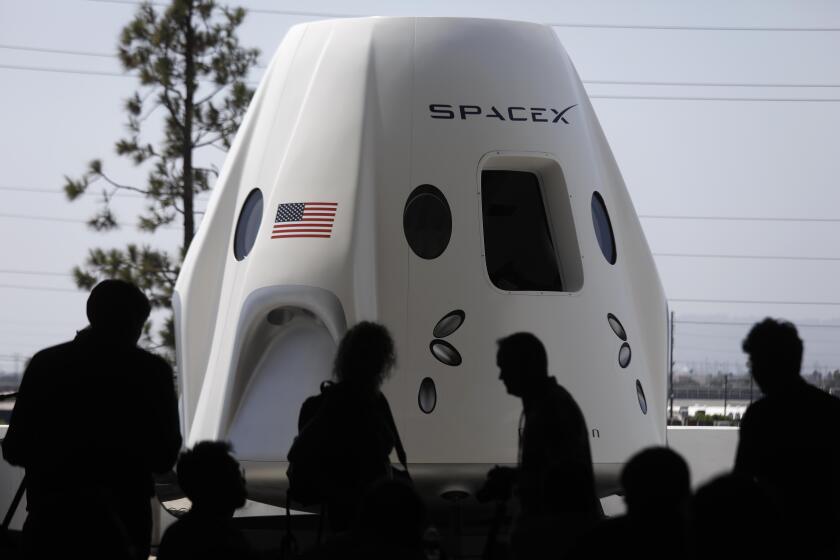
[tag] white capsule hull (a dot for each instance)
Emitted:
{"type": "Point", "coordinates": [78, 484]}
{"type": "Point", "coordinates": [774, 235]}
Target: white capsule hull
{"type": "Point", "coordinates": [358, 114]}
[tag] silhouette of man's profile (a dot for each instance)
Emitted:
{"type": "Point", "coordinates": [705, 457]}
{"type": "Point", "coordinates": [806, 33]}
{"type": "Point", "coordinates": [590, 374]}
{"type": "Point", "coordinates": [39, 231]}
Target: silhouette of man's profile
{"type": "Point", "coordinates": [94, 419]}
{"type": "Point", "coordinates": [790, 441]}
{"type": "Point", "coordinates": [553, 439]}
{"type": "Point", "coordinates": [213, 481]}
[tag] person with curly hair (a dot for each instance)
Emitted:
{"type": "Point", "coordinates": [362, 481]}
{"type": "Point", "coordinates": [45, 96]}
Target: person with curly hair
{"type": "Point", "coordinates": [347, 433]}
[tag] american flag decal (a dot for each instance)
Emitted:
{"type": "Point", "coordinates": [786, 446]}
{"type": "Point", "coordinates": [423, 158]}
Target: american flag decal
{"type": "Point", "coordinates": [304, 219]}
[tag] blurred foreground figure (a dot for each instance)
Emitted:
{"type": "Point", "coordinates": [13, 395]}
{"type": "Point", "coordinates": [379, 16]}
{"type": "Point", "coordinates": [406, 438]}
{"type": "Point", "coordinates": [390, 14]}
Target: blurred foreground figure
{"type": "Point", "coordinates": [212, 480]}
{"type": "Point", "coordinates": [657, 488]}
{"type": "Point", "coordinates": [389, 526]}
{"type": "Point", "coordinates": [790, 442]}
{"type": "Point", "coordinates": [756, 533]}
{"type": "Point", "coordinates": [94, 419]}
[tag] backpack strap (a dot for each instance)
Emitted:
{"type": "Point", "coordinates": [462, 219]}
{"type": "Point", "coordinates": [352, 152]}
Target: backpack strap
{"type": "Point", "coordinates": [14, 505]}
{"type": "Point", "coordinates": [397, 441]}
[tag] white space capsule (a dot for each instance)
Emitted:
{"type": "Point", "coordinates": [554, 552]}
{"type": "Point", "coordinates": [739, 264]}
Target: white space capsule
{"type": "Point", "coordinates": [448, 178]}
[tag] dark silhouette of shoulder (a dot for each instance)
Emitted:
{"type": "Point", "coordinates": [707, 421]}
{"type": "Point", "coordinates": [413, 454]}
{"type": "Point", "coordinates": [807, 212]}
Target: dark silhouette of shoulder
{"type": "Point", "coordinates": [784, 434]}
{"type": "Point", "coordinates": [197, 538]}
{"type": "Point", "coordinates": [123, 400]}
{"type": "Point", "coordinates": [212, 479]}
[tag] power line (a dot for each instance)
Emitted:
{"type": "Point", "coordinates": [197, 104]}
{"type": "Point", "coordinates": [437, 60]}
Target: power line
{"type": "Point", "coordinates": [733, 336]}
{"type": "Point", "coordinates": [715, 349]}
{"type": "Point", "coordinates": [40, 288]}
{"type": "Point", "coordinates": [67, 220]}
{"type": "Point", "coordinates": [39, 334]}
{"type": "Point", "coordinates": [551, 24]}
{"type": "Point", "coordinates": [692, 98]}
{"type": "Point", "coordinates": [42, 218]}
{"type": "Point", "coordinates": [46, 328]}
{"type": "Point", "coordinates": [28, 48]}
{"type": "Point", "coordinates": [34, 272]}
{"type": "Point", "coordinates": [79, 72]}
{"type": "Point", "coordinates": [751, 323]}
{"type": "Point", "coordinates": [694, 27]}
{"type": "Point", "coordinates": [119, 193]}
{"type": "Point", "coordinates": [755, 302]}
{"type": "Point", "coordinates": [591, 96]}
{"type": "Point", "coordinates": [252, 10]}
{"type": "Point", "coordinates": [657, 83]}
{"type": "Point", "coordinates": [705, 84]}
{"type": "Point", "coordinates": [24, 322]}
{"type": "Point", "coordinates": [33, 190]}
{"type": "Point", "coordinates": [751, 257]}
{"type": "Point", "coordinates": [738, 218]}
{"type": "Point", "coordinates": [57, 51]}
{"type": "Point", "coordinates": [61, 192]}
{"type": "Point", "coordinates": [67, 71]}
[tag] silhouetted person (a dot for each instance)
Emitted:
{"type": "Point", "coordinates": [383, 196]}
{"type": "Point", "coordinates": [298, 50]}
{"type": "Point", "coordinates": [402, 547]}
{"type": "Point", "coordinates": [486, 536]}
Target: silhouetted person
{"type": "Point", "coordinates": [790, 441]}
{"type": "Point", "coordinates": [657, 488]}
{"type": "Point", "coordinates": [553, 439]}
{"type": "Point", "coordinates": [389, 525]}
{"type": "Point", "coordinates": [212, 480]}
{"type": "Point", "coordinates": [753, 532]}
{"type": "Point", "coordinates": [349, 425]}
{"type": "Point", "coordinates": [94, 419]}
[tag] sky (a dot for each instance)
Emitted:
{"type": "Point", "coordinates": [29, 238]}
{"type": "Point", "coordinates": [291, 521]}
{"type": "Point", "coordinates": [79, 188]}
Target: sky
{"type": "Point", "coordinates": [724, 117]}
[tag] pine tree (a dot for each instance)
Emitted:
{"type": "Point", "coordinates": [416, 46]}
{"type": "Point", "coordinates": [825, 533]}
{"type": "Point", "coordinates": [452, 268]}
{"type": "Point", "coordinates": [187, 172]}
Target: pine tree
{"type": "Point", "coordinates": [192, 73]}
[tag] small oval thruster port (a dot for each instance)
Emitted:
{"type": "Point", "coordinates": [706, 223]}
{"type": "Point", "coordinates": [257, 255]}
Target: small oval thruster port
{"type": "Point", "coordinates": [624, 355]}
{"type": "Point", "coordinates": [450, 323]}
{"type": "Point", "coordinates": [445, 353]}
{"type": "Point", "coordinates": [427, 397]}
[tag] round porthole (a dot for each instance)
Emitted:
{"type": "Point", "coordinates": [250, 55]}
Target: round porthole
{"type": "Point", "coordinates": [248, 224]}
{"type": "Point", "coordinates": [449, 324]}
{"type": "Point", "coordinates": [603, 227]}
{"type": "Point", "coordinates": [640, 393]}
{"type": "Point", "coordinates": [616, 326]}
{"type": "Point", "coordinates": [427, 222]}
{"type": "Point", "coordinates": [427, 397]}
{"type": "Point", "coordinates": [624, 355]}
{"type": "Point", "coordinates": [445, 353]}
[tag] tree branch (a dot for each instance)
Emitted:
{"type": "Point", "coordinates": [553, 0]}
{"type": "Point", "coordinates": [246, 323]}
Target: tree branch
{"type": "Point", "coordinates": [122, 187]}
{"type": "Point", "coordinates": [210, 96]}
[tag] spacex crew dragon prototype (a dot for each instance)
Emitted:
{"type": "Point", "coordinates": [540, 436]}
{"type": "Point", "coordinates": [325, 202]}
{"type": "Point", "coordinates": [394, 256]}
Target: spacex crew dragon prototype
{"type": "Point", "coordinates": [445, 177]}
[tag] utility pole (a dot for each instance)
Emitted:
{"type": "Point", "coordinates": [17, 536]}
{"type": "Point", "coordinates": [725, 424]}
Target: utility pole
{"type": "Point", "coordinates": [725, 393]}
{"type": "Point", "coordinates": [671, 371]}
{"type": "Point", "coordinates": [751, 387]}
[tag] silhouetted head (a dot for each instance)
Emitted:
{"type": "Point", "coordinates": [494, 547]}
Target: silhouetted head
{"type": "Point", "coordinates": [656, 483]}
{"type": "Point", "coordinates": [365, 357]}
{"type": "Point", "coordinates": [392, 512]}
{"type": "Point", "coordinates": [522, 362]}
{"type": "Point", "coordinates": [118, 309]}
{"type": "Point", "coordinates": [775, 352]}
{"type": "Point", "coordinates": [211, 478]}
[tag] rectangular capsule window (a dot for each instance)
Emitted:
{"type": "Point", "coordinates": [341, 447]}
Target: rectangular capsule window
{"type": "Point", "coordinates": [519, 250]}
